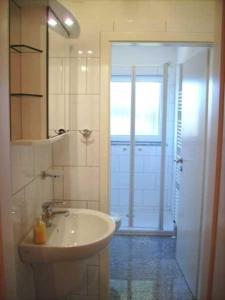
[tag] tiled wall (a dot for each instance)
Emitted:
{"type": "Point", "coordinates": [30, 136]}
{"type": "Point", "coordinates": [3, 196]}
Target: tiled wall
{"type": "Point", "coordinates": [29, 191]}
{"type": "Point", "coordinates": [77, 156]}
{"type": "Point", "coordinates": [76, 103]}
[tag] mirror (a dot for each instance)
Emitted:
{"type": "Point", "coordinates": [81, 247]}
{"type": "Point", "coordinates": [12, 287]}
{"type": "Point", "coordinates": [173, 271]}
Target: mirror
{"type": "Point", "coordinates": [62, 26]}
{"type": "Point", "coordinates": [58, 77]}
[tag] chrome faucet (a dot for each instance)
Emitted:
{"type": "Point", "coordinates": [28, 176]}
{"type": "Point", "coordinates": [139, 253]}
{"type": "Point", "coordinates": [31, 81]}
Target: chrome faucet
{"type": "Point", "coordinates": [48, 213]}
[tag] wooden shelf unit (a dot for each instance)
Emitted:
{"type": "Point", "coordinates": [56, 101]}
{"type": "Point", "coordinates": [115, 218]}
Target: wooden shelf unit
{"type": "Point", "coordinates": [28, 72]}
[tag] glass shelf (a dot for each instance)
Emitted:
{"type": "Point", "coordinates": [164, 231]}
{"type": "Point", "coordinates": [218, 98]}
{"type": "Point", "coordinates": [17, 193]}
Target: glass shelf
{"type": "Point", "coordinates": [25, 49]}
{"type": "Point", "coordinates": [26, 95]}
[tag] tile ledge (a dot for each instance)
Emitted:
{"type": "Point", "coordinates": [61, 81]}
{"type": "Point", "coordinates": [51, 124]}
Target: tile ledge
{"type": "Point", "coordinates": [41, 141]}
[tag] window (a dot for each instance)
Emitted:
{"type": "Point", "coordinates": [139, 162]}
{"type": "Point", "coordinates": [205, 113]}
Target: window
{"type": "Point", "coordinates": [147, 108]}
{"type": "Point", "coordinates": [120, 105]}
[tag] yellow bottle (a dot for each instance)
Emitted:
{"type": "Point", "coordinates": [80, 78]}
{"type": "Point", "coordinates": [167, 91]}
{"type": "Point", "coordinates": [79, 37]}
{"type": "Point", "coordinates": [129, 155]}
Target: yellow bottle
{"type": "Point", "coordinates": [39, 232]}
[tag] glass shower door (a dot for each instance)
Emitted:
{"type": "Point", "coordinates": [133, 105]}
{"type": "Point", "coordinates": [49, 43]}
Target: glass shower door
{"type": "Point", "coordinates": [147, 151]}
{"type": "Point", "coordinates": [120, 124]}
{"type": "Point", "coordinates": [137, 147]}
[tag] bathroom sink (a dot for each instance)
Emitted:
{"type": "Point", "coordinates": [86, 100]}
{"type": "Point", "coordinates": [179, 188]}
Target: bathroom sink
{"type": "Point", "coordinates": [77, 234]}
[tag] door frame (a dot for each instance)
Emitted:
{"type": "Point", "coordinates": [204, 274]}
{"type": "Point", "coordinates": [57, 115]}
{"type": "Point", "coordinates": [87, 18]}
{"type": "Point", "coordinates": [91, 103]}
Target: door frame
{"type": "Point", "coordinates": [162, 38]}
{"type": "Point", "coordinates": [107, 38]}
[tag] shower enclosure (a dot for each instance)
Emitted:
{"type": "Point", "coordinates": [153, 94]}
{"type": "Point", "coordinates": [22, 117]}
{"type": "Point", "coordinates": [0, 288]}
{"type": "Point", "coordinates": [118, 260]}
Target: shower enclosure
{"type": "Point", "coordinates": [142, 139]}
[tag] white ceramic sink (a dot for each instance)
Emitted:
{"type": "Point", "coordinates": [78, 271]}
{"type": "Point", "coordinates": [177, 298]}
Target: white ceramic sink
{"type": "Point", "coordinates": [75, 235]}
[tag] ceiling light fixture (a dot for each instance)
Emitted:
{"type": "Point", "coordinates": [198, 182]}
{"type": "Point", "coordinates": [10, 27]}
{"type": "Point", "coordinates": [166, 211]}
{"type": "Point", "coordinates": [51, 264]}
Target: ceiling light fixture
{"type": "Point", "coordinates": [69, 22]}
{"type": "Point", "coordinates": [52, 22]}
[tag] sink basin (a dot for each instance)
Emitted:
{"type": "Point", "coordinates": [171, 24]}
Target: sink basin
{"type": "Point", "coordinates": [78, 234]}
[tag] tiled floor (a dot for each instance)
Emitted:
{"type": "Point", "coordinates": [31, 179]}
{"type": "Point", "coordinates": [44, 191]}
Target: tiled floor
{"type": "Point", "coordinates": [144, 268]}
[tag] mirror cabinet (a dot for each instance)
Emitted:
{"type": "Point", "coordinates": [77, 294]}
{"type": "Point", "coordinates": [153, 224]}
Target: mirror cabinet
{"type": "Point", "coordinates": [39, 69]}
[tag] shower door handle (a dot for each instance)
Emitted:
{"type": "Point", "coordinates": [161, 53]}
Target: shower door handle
{"type": "Point", "coordinates": [179, 160]}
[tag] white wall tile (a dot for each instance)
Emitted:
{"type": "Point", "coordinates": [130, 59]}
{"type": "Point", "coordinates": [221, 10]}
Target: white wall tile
{"type": "Point", "coordinates": [93, 149]}
{"type": "Point", "coordinates": [24, 278]}
{"type": "Point", "coordinates": [22, 158]}
{"type": "Point", "coordinates": [33, 201]}
{"type": "Point", "coordinates": [70, 151]}
{"type": "Point", "coordinates": [93, 205]}
{"type": "Point", "coordinates": [81, 183]}
{"type": "Point", "coordinates": [58, 185]}
{"type": "Point", "coordinates": [115, 165]}
{"type": "Point", "coordinates": [145, 181]}
{"type": "Point", "coordinates": [74, 204]}
{"type": "Point", "coordinates": [46, 190]}
{"type": "Point", "coordinates": [42, 157]}
{"type": "Point", "coordinates": [78, 75]}
{"type": "Point", "coordinates": [140, 25]}
{"type": "Point", "coordinates": [115, 193]}
{"type": "Point", "coordinates": [26, 207]}
{"type": "Point", "coordinates": [37, 192]}
{"type": "Point", "coordinates": [152, 163]}
{"type": "Point", "coordinates": [93, 76]}
{"type": "Point", "coordinates": [124, 163]}
{"type": "Point", "coordinates": [84, 112]}
{"type": "Point", "coordinates": [138, 198]}
{"type": "Point", "coordinates": [119, 180]}
{"type": "Point", "coordinates": [184, 25]}
{"type": "Point", "coordinates": [66, 72]}
{"type": "Point", "coordinates": [18, 215]}
{"type": "Point", "coordinates": [120, 150]}
{"type": "Point", "coordinates": [67, 112]}
{"type": "Point", "coordinates": [151, 198]}
{"type": "Point", "coordinates": [139, 163]}
{"type": "Point", "coordinates": [124, 196]}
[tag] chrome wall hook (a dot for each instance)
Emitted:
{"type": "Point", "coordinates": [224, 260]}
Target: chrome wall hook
{"type": "Point", "coordinates": [86, 133]}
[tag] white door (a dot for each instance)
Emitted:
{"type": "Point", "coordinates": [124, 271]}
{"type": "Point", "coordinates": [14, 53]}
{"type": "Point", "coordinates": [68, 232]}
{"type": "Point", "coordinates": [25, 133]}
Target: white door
{"type": "Point", "coordinates": [194, 100]}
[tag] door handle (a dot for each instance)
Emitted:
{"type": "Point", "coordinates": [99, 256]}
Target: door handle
{"type": "Point", "coordinates": [179, 161]}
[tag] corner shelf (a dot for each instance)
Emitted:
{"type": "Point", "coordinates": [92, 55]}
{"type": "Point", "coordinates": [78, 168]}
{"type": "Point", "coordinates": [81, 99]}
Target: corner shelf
{"type": "Point", "coordinates": [25, 49]}
{"type": "Point", "coordinates": [26, 95]}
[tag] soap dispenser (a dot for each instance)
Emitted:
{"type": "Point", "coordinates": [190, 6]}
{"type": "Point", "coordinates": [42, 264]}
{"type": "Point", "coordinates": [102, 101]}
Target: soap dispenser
{"type": "Point", "coordinates": [39, 232]}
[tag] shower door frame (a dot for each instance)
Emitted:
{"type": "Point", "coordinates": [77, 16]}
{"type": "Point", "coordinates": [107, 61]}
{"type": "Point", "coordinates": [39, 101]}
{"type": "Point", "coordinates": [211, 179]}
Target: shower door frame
{"type": "Point", "coordinates": [132, 147]}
